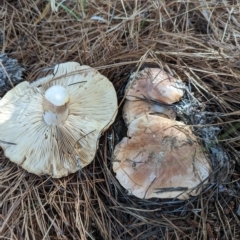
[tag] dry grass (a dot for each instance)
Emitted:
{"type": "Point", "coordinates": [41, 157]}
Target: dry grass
{"type": "Point", "coordinates": [196, 40]}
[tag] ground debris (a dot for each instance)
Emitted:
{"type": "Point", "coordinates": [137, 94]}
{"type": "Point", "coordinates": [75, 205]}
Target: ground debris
{"type": "Point", "coordinates": [10, 73]}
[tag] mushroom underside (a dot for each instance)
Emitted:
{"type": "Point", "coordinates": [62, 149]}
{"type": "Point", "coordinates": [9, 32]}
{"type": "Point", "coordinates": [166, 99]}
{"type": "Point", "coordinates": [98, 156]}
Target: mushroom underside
{"type": "Point", "coordinates": [68, 146]}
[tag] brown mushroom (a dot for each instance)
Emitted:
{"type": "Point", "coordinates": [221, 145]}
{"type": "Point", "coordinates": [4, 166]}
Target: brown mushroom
{"type": "Point", "coordinates": [135, 109]}
{"type": "Point", "coordinates": [155, 83]}
{"type": "Point", "coordinates": [160, 158]}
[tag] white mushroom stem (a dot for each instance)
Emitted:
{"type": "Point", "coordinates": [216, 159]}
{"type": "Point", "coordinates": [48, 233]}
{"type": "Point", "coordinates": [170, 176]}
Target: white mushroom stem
{"type": "Point", "coordinates": [55, 105]}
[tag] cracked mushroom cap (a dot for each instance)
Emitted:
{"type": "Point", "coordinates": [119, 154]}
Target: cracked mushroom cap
{"type": "Point", "coordinates": [160, 158]}
{"type": "Point", "coordinates": [52, 126]}
{"type": "Point", "coordinates": [155, 84]}
{"type": "Point", "coordinates": [135, 109]}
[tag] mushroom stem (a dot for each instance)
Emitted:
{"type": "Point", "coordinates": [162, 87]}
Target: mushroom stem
{"type": "Point", "coordinates": [55, 105]}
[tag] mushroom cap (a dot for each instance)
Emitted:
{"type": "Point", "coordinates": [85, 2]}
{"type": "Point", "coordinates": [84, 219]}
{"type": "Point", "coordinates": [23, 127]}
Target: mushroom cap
{"type": "Point", "coordinates": [57, 150]}
{"type": "Point", "coordinates": [160, 158]}
{"type": "Point", "coordinates": [155, 83]}
{"type": "Point", "coordinates": [135, 109]}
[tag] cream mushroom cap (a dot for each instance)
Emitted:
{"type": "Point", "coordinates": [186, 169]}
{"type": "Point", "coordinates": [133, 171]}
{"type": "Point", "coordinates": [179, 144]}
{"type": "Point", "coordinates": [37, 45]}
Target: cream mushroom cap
{"type": "Point", "coordinates": [58, 148]}
{"type": "Point", "coordinates": [155, 83]}
{"type": "Point", "coordinates": [160, 158]}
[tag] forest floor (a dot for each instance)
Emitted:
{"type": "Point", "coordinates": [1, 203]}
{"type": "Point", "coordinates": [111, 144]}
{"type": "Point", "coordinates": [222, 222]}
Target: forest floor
{"type": "Point", "coordinates": [194, 40]}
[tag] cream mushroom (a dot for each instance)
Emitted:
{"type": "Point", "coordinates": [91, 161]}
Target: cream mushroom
{"type": "Point", "coordinates": [160, 158]}
{"type": "Point", "coordinates": [52, 126]}
{"type": "Point", "coordinates": [156, 84]}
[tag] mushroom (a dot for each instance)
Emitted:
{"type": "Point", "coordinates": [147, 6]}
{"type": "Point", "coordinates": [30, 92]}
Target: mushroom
{"type": "Point", "coordinates": [135, 109]}
{"type": "Point", "coordinates": [154, 84]}
{"type": "Point", "coordinates": [52, 126]}
{"type": "Point", "coordinates": [160, 158]}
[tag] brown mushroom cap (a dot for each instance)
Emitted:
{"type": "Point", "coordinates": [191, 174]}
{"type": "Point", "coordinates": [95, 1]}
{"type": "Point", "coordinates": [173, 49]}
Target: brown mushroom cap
{"type": "Point", "coordinates": [160, 158]}
{"type": "Point", "coordinates": [155, 83]}
{"type": "Point", "coordinates": [135, 109]}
